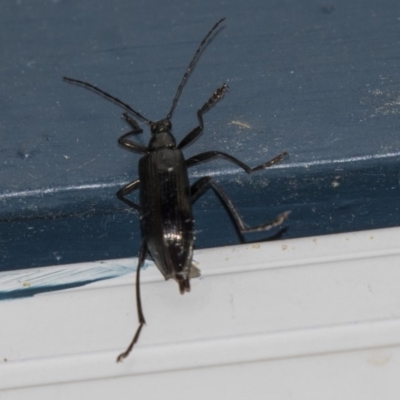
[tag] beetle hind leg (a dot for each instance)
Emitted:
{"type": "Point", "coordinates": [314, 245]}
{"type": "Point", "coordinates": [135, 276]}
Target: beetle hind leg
{"type": "Point", "coordinates": [142, 321]}
{"type": "Point", "coordinates": [199, 188]}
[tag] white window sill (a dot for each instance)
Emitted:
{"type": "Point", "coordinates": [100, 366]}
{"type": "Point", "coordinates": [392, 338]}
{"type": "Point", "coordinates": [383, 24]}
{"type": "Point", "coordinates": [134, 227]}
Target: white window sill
{"type": "Point", "coordinates": [310, 318]}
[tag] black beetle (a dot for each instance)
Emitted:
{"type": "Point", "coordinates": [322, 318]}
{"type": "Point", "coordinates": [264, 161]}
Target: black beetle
{"type": "Point", "coordinates": [166, 196]}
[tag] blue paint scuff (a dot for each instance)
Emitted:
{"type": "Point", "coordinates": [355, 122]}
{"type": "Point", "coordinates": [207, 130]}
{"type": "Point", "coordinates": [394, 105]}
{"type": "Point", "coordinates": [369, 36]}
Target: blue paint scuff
{"type": "Point", "coordinates": [29, 282]}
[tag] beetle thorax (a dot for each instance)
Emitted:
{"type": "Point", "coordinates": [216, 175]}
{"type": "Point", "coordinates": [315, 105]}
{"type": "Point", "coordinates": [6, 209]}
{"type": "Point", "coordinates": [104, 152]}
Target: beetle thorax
{"type": "Point", "coordinates": [161, 135]}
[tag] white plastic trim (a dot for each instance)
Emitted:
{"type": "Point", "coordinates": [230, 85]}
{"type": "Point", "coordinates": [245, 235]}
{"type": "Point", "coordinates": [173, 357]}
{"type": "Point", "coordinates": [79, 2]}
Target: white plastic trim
{"type": "Point", "coordinates": [306, 318]}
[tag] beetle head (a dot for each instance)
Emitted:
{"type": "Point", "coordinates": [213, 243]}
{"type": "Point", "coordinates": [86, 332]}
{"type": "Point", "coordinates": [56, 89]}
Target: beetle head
{"type": "Point", "coordinates": [163, 125]}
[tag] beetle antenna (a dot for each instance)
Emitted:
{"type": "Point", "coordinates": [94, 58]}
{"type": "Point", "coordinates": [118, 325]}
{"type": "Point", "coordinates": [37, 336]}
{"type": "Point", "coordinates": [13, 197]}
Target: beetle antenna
{"type": "Point", "coordinates": [108, 96]}
{"type": "Point", "coordinates": [190, 68]}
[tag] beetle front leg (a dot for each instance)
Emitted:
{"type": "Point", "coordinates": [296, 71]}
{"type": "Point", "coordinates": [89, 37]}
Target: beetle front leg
{"type": "Point", "coordinates": [191, 136]}
{"type": "Point", "coordinates": [129, 144]}
{"type": "Point", "coordinates": [127, 189]}
{"type": "Point", "coordinates": [199, 188]}
{"type": "Point", "coordinates": [211, 155]}
{"type": "Point", "coordinates": [142, 256]}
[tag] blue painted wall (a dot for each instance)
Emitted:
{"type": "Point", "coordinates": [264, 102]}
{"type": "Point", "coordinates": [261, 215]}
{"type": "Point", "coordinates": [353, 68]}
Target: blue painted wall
{"type": "Point", "coordinates": [319, 79]}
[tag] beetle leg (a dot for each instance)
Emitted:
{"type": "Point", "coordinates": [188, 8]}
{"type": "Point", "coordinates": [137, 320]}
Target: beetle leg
{"type": "Point", "coordinates": [192, 136]}
{"type": "Point", "coordinates": [124, 191]}
{"type": "Point", "coordinates": [142, 255]}
{"type": "Point", "coordinates": [132, 122]}
{"type": "Point", "coordinates": [129, 144]}
{"type": "Point", "coordinates": [211, 155]}
{"type": "Point", "coordinates": [199, 188]}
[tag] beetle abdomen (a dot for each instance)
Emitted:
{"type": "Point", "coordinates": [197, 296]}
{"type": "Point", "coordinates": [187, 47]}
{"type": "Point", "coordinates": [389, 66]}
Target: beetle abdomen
{"type": "Point", "coordinates": [167, 219]}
